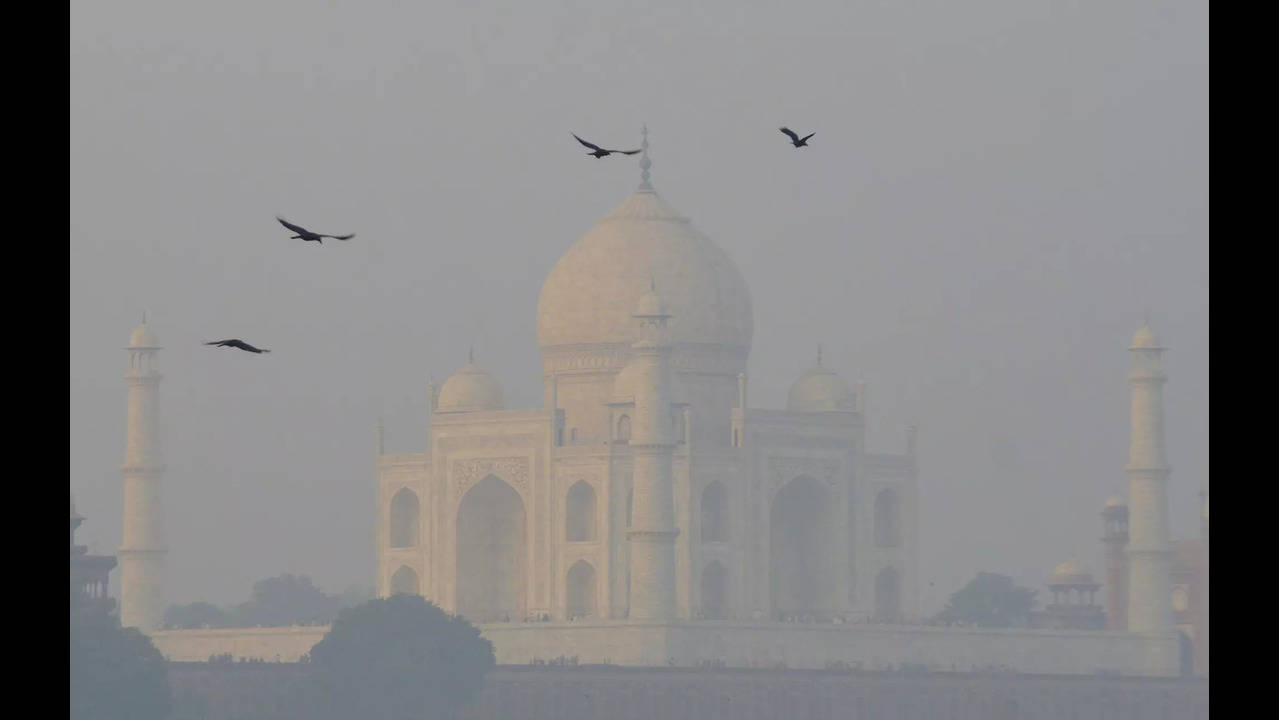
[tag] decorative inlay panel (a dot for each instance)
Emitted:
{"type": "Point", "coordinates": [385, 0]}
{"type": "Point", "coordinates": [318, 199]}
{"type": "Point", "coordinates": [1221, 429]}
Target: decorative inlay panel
{"type": "Point", "coordinates": [512, 470]}
{"type": "Point", "coordinates": [784, 469]}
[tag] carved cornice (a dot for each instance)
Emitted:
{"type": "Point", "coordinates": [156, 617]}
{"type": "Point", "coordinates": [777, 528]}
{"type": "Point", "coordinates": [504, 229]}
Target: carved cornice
{"type": "Point", "coordinates": [497, 442]}
{"type": "Point", "coordinates": [807, 442]}
{"type": "Point", "coordinates": [652, 535]}
{"type": "Point", "coordinates": [884, 467]}
{"type": "Point", "coordinates": [611, 357]}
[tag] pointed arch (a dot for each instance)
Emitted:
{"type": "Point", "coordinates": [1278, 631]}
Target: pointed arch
{"type": "Point", "coordinates": [887, 519]}
{"type": "Point", "coordinates": [405, 582]}
{"type": "Point", "coordinates": [715, 592]}
{"type": "Point", "coordinates": [801, 549]}
{"type": "Point", "coordinates": [491, 550]}
{"type": "Point", "coordinates": [715, 513]}
{"type": "Point", "coordinates": [624, 429]}
{"type": "Point", "coordinates": [580, 591]}
{"type": "Point", "coordinates": [404, 519]}
{"type": "Point", "coordinates": [579, 515]}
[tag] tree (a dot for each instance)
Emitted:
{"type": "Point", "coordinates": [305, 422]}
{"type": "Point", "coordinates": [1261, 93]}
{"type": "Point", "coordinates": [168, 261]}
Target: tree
{"type": "Point", "coordinates": [399, 658]}
{"type": "Point", "coordinates": [115, 672]}
{"type": "Point", "coordinates": [286, 600]}
{"type": "Point", "coordinates": [989, 600]}
{"type": "Point", "coordinates": [195, 615]}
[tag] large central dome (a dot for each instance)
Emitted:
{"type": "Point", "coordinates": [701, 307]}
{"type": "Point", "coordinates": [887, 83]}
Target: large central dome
{"type": "Point", "coordinates": [590, 295]}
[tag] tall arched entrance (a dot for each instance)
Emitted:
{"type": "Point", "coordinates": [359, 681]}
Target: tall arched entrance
{"type": "Point", "coordinates": [491, 532]}
{"type": "Point", "coordinates": [802, 540]}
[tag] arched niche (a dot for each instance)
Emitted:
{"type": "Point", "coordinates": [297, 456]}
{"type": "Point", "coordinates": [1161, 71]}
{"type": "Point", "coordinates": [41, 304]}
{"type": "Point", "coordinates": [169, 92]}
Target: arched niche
{"type": "Point", "coordinates": [887, 595]}
{"type": "Point", "coordinates": [404, 518]}
{"type": "Point", "coordinates": [887, 519]}
{"type": "Point", "coordinates": [715, 592]}
{"type": "Point", "coordinates": [580, 591]}
{"type": "Point", "coordinates": [405, 582]}
{"type": "Point", "coordinates": [579, 516]}
{"type": "Point", "coordinates": [715, 513]}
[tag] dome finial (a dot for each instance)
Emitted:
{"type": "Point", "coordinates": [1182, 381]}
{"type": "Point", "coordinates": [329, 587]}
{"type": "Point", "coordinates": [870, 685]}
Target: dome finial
{"type": "Point", "coordinates": [470, 354]}
{"type": "Point", "coordinates": [652, 282]}
{"type": "Point", "coordinates": [645, 163]}
{"type": "Point", "coordinates": [819, 354]}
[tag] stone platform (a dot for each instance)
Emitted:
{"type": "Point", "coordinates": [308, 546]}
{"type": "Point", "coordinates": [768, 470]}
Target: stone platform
{"type": "Point", "coordinates": [752, 645]}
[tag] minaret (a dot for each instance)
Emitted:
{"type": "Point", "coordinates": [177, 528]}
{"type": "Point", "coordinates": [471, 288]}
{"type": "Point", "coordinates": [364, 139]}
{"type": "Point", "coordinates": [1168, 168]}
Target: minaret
{"type": "Point", "coordinates": [652, 534]}
{"type": "Point", "coordinates": [1149, 557]}
{"type": "Point", "coordinates": [143, 551]}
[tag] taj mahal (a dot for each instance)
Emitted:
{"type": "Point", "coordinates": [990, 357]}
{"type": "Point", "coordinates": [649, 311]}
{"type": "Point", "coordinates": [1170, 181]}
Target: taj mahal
{"type": "Point", "coordinates": [646, 487]}
{"type": "Point", "coordinates": [647, 515]}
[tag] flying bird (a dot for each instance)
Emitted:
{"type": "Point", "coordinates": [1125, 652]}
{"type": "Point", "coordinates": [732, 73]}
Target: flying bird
{"type": "Point", "coordinates": [307, 235]}
{"type": "Point", "coordinates": [237, 343]}
{"type": "Point", "coordinates": [796, 140]}
{"type": "Point", "coordinates": [601, 152]}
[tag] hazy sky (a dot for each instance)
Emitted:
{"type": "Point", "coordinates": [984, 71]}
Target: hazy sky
{"type": "Point", "coordinates": [997, 191]}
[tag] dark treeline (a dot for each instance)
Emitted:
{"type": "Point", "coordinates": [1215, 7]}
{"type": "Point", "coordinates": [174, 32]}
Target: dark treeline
{"type": "Point", "coordinates": [277, 601]}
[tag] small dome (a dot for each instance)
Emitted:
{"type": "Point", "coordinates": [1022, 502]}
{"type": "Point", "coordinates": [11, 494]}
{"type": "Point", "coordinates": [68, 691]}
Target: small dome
{"type": "Point", "coordinates": [820, 390]}
{"type": "Point", "coordinates": [1145, 339]}
{"type": "Point", "coordinates": [142, 337]}
{"type": "Point", "coordinates": [1071, 572]}
{"type": "Point", "coordinates": [1115, 502]}
{"type": "Point", "coordinates": [468, 390]}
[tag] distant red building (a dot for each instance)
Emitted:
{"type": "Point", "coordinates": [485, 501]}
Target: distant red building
{"type": "Point", "coordinates": [89, 573]}
{"type": "Point", "coordinates": [1189, 580]}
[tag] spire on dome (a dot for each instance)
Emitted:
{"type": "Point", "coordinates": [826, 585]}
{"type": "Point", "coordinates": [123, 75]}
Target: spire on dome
{"type": "Point", "coordinates": [470, 355]}
{"type": "Point", "coordinates": [645, 163]}
{"type": "Point", "coordinates": [819, 354]}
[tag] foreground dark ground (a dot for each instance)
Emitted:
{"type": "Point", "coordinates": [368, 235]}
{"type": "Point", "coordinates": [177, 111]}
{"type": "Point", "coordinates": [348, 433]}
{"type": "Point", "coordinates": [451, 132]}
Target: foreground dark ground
{"type": "Point", "coordinates": [274, 691]}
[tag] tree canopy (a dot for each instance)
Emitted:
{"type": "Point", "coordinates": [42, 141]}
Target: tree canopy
{"type": "Point", "coordinates": [276, 601]}
{"type": "Point", "coordinates": [195, 615]}
{"type": "Point", "coordinates": [399, 658]}
{"type": "Point", "coordinates": [286, 600]}
{"type": "Point", "coordinates": [115, 672]}
{"type": "Point", "coordinates": [989, 600]}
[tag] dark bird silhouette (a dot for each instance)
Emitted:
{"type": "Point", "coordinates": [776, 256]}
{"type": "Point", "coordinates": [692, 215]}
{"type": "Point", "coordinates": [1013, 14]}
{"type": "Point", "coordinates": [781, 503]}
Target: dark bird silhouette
{"type": "Point", "coordinates": [236, 343]}
{"type": "Point", "coordinates": [601, 152]}
{"type": "Point", "coordinates": [796, 140]}
{"type": "Point", "coordinates": [307, 235]}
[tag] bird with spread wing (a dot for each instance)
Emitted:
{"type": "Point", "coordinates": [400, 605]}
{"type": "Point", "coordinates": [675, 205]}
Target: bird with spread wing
{"type": "Point", "coordinates": [237, 343]}
{"type": "Point", "coordinates": [796, 140]}
{"type": "Point", "coordinates": [307, 235]}
{"type": "Point", "coordinates": [600, 152]}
